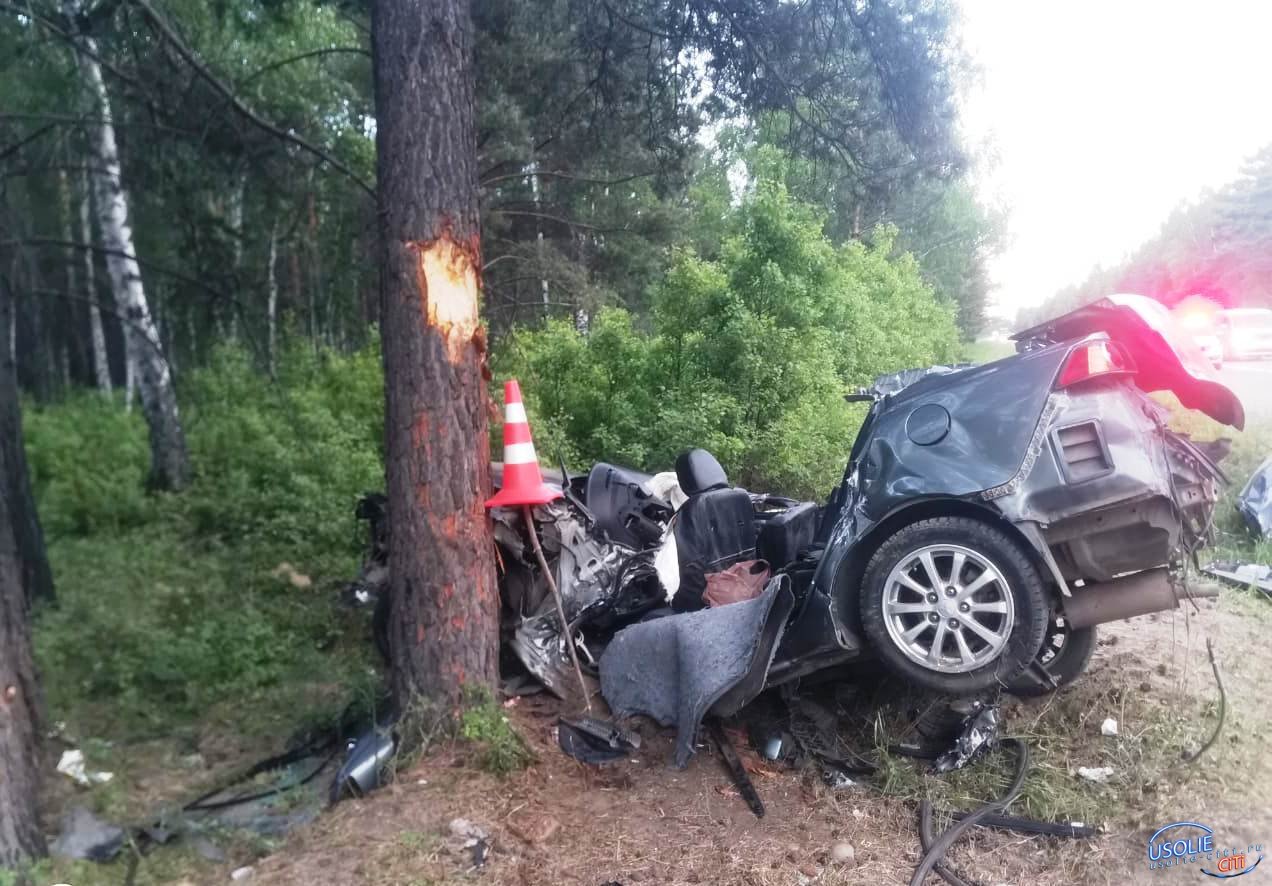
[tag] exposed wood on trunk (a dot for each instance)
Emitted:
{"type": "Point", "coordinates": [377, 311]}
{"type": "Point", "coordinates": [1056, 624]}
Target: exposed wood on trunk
{"type": "Point", "coordinates": [169, 463]}
{"type": "Point", "coordinates": [444, 600]}
{"type": "Point", "coordinates": [20, 836]}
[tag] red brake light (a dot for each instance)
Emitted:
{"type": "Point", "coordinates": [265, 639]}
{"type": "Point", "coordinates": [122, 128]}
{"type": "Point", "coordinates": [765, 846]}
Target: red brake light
{"type": "Point", "coordinates": [1093, 360]}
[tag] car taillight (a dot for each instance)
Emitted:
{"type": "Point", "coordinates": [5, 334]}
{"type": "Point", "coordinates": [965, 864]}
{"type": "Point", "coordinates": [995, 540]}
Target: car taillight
{"type": "Point", "coordinates": [1093, 360]}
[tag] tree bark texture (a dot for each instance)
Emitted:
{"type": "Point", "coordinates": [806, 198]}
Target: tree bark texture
{"type": "Point", "coordinates": [169, 462]}
{"type": "Point", "coordinates": [15, 479]}
{"type": "Point", "coordinates": [20, 836]}
{"type": "Point", "coordinates": [444, 598]}
{"type": "Point", "coordinates": [97, 333]}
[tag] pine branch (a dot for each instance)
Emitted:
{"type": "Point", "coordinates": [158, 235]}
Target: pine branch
{"type": "Point", "coordinates": [165, 30]}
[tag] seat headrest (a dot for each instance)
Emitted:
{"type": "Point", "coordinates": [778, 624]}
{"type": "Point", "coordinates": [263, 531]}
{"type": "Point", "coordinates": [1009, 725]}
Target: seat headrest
{"type": "Point", "coordinates": [698, 471]}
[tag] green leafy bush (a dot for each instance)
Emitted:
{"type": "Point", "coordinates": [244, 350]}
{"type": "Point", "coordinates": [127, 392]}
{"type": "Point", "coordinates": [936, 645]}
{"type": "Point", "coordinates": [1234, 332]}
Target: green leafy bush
{"type": "Point", "coordinates": [88, 461]}
{"type": "Point", "coordinates": [748, 356]}
{"type": "Point", "coordinates": [170, 603]}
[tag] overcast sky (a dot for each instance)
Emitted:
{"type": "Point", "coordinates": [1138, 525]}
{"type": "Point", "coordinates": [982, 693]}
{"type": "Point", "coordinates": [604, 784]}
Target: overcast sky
{"type": "Point", "coordinates": [1102, 117]}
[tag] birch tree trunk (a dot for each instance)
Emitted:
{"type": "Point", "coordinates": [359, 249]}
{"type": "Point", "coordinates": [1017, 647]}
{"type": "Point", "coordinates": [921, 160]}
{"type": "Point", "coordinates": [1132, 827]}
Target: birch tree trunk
{"type": "Point", "coordinates": [97, 334]}
{"type": "Point", "coordinates": [444, 603]}
{"type": "Point", "coordinates": [169, 462]}
{"type": "Point", "coordinates": [236, 225]}
{"type": "Point", "coordinates": [271, 305]}
{"type": "Point", "coordinates": [21, 839]}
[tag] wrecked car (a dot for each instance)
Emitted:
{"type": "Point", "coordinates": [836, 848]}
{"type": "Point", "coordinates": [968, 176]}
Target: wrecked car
{"type": "Point", "coordinates": [989, 518]}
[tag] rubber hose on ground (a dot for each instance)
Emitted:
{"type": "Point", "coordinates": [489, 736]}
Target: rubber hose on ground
{"type": "Point", "coordinates": [947, 839]}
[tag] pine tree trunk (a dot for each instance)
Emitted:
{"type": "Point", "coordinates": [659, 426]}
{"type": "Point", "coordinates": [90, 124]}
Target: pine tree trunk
{"type": "Point", "coordinates": [169, 463]}
{"type": "Point", "coordinates": [21, 839]}
{"type": "Point", "coordinates": [444, 600]}
{"type": "Point", "coordinates": [97, 333]}
{"type": "Point", "coordinates": [15, 478]}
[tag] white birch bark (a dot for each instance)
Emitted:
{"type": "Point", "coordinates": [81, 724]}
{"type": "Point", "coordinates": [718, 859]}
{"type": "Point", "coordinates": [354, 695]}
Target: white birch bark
{"type": "Point", "coordinates": [169, 463]}
{"type": "Point", "coordinates": [272, 304]}
{"type": "Point", "coordinates": [236, 225]}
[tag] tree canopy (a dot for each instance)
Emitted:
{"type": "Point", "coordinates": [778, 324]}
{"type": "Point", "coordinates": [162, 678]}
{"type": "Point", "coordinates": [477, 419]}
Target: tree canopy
{"type": "Point", "coordinates": [245, 132]}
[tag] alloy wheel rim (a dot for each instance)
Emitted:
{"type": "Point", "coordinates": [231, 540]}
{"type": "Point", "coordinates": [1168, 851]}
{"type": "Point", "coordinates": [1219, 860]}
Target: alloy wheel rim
{"type": "Point", "coordinates": [948, 608]}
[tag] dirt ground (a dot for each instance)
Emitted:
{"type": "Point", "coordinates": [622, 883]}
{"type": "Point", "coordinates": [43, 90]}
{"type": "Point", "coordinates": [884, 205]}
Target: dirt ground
{"type": "Point", "coordinates": [638, 821]}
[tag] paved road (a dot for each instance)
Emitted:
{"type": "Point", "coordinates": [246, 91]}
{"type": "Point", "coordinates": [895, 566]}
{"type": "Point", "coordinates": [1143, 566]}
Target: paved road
{"type": "Point", "coordinates": [1252, 382]}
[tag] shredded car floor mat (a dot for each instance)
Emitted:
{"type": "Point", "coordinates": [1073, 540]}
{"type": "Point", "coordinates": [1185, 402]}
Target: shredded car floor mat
{"type": "Point", "coordinates": [678, 668]}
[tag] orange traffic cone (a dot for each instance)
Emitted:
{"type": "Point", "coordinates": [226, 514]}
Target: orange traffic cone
{"type": "Point", "coordinates": [522, 481]}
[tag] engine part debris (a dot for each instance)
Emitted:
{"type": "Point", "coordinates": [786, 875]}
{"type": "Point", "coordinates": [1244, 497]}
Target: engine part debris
{"type": "Point", "coordinates": [590, 740]}
{"type": "Point", "coordinates": [978, 734]}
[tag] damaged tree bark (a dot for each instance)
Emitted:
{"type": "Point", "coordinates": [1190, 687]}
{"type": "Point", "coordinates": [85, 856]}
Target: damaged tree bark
{"type": "Point", "coordinates": [20, 836]}
{"type": "Point", "coordinates": [443, 626]}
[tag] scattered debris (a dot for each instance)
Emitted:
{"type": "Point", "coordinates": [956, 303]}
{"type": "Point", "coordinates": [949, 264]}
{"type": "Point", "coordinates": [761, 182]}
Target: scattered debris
{"type": "Point", "coordinates": [736, 770]}
{"type": "Point", "coordinates": [739, 582]}
{"type": "Point", "coordinates": [1097, 774]}
{"type": "Point", "coordinates": [1075, 829]}
{"type": "Point", "coordinates": [473, 838]}
{"type": "Point", "coordinates": [84, 836]}
{"type": "Point", "coordinates": [934, 848]}
{"type": "Point", "coordinates": [1108, 727]}
{"type": "Point", "coordinates": [590, 740]}
{"type": "Point", "coordinates": [72, 766]}
{"type": "Point", "coordinates": [1255, 501]}
{"type": "Point", "coordinates": [843, 854]}
{"type": "Point", "coordinates": [364, 764]}
{"type": "Point", "coordinates": [1243, 575]}
{"type": "Point", "coordinates": [978, 734]}
{"type": "Point", "coordinates": [290, 574]}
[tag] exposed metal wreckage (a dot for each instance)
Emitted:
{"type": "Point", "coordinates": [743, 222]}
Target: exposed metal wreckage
{"type": "Point", "coordinates": [989, 518]}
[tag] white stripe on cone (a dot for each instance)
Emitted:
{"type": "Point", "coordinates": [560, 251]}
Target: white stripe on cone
{"type": "Point", "coordinates": [515, 413]}
{"type": "Point", "coordinates": [519, 453]}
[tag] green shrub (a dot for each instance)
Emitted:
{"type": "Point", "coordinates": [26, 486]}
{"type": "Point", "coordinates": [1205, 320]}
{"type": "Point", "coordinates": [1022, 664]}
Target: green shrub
{"type": "Point", "coordinates": [167, 603]}
{"type": "Point", "coordinates": [501, 749]}
{"type": "Point", "coordinates": [88, 461]}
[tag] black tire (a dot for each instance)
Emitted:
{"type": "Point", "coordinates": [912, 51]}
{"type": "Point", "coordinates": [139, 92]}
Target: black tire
{"type": "Point", "coordinates": [1028, 601]}
{"type": "Point", "coordinates": [1065, 654]}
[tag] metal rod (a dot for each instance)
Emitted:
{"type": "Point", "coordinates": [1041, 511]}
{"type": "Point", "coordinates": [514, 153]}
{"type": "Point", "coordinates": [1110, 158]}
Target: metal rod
{"type": "Point", "coordinates": [560, 607]}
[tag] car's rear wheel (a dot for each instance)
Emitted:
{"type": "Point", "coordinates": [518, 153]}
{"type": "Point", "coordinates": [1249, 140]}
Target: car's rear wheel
{"type": "Point", "coordinates": [1065, 654]}
{"type": "Point", "coordinates": [953, 604]}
